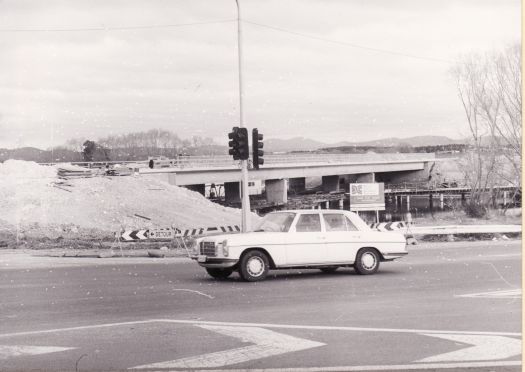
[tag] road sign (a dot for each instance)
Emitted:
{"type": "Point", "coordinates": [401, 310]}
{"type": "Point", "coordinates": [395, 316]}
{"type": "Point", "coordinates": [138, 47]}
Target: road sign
{"type": "Point", "coordinates": [159, 233]}
{"type": "Point", "coordinates": [367, 196]}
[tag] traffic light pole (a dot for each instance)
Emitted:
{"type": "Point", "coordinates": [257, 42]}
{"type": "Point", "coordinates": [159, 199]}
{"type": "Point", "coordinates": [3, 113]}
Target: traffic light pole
{"type": "Point", "coordinates": [246, 222]}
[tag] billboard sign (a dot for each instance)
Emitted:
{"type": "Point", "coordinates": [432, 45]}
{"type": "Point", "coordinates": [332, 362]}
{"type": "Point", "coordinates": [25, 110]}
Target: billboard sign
{"type": "Point", "coordinates": [367, 197]}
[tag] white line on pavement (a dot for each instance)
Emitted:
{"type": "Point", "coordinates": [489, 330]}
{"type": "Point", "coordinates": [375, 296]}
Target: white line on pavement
{"type": "Point", "coordinates": [76, 328]}
{"type": "Point", "coordinates": [483, 348]}
{"type": "Point", "coordinates": [267, 343]}
{"type": "Point", "coordinates": [7, 351]}
{"type": "Point", "coordinates": [395, 367]}
{"type": "Point", "coordinates": [335, 328]}
{"type": "Point", "coordinates": [264, 325]}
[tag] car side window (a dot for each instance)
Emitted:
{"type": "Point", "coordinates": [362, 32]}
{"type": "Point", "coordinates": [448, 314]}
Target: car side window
{"type": "Point", "coordinates": [308, 223]}
{"type": "Point", "coordinates": [335, 222]}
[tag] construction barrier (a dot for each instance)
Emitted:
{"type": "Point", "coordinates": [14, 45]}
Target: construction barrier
{"type": "Point", "coordinates": [389, 226]}
{"type": "Point", "coordinates": [169, 233]}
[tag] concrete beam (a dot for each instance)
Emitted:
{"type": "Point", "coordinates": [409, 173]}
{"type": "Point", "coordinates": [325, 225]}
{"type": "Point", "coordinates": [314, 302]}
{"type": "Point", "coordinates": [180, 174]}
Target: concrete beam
{"type": "Point", "coordinates": [330, 183]}
{"type": "Point", "coordinates": [232, 192]}
{"type": "Point", "coordinates": [276, 191]}
{"type": "Point", "coordinates": [219, 175]}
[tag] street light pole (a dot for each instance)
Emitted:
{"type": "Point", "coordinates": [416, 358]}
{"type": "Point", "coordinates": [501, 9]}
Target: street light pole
{"type": "Point", "coordinates": [246, 222]}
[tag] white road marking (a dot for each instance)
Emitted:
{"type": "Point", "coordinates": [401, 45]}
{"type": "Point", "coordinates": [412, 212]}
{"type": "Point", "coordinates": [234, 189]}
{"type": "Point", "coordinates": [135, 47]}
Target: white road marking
{"type": "Point", "coordinates": [337, 328]}
{"type": "Point", "coordinates": [267, 343]}
{"type": "Point", "coordinates": [76, 328]}
{"type": "Point", "coordinates": [484, 348]}
{"type": "Point", "coordinates": [263, 325]}
{"type": "Point", "coordinates": [192, 291]}
{"type": "Point", "coordinates": [507, 294]}
{"type": "Point", "coordinates": [8, 351]}
{"type": "Point", "coordinates": [395, 367]}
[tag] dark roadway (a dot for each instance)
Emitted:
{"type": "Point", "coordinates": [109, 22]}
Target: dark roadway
{"type": "Point", "coordinates": [431, 310]}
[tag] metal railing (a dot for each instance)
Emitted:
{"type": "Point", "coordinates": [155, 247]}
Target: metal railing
{"type": "Point", "coordinates": [226, 161]}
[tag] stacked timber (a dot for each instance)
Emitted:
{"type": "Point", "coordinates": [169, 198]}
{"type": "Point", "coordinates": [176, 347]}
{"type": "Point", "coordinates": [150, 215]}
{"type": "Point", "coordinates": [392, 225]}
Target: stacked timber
{"type": "Point", "coordinates": [70, 171]}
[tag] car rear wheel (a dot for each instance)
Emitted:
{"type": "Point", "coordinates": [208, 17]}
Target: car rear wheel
{"type": "Point", "coordinates": [328, 270]}
{"type": "Point", "coordinates": [219, 273]}
{"type": "Point", "coordinates": [254, 266]}
{"type": "Point", "coordinates": [367, 261]}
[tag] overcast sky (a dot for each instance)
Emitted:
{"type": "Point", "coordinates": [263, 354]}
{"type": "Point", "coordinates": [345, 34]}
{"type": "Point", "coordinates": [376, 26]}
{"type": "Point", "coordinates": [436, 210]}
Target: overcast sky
{"type": "Point", "coordinates": [57, 85]}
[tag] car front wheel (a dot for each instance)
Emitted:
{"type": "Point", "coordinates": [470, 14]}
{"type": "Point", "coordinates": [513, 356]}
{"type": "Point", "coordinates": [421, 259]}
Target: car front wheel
{"type": "Point", "coordinates": [367, 261]}
{"type": "Point", "coordinates": [254, 266]}
{"type": "Point", "coordinates": [219, 273]}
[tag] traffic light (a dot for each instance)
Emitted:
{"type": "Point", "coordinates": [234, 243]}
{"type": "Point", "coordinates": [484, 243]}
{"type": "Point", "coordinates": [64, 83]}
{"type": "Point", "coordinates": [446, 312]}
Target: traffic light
{"type": "Point", "coordinates": [234, 143]}
{"type": "Point", "coordinates": [239, 147]}
{"type": "Point", "coordinates": [257, 145]}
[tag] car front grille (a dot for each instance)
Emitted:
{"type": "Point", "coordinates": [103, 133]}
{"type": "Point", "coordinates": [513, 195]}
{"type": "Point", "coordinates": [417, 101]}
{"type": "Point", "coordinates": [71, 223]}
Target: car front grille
{"type": "Point", "coordinates": [208, 248]}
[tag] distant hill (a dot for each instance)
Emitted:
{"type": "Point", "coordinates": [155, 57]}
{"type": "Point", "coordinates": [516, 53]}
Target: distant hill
{"type": "Point", "coordinates": [292, 144]}
{"type": "Point", "coordinates": [411, 141]}
{"type": "Point", "coordinates": [305, 144]}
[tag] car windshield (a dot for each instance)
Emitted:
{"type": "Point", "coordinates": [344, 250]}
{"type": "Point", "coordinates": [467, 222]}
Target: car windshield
{"type": "Point", "coordinates": [276, 222]}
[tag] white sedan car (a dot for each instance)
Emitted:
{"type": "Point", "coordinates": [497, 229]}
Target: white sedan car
{"type": "Point", "coordinates": [323, 239]}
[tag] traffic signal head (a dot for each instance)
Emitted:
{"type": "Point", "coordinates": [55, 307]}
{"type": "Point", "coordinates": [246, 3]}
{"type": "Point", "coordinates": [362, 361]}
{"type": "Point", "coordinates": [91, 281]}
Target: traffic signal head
{"type": "Point", "coordinates": [257, 145]}
{"type": "Point", "coordinates": [239, 147]}
{"type": "Point", "coordinates": [234, 143]}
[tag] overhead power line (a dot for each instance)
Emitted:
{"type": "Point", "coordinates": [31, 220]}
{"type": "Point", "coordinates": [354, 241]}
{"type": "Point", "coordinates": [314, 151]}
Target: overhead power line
{"type": "Point", "coordinates": [352, 45]}
{"type": "Point", "coordinates": [122, 28]}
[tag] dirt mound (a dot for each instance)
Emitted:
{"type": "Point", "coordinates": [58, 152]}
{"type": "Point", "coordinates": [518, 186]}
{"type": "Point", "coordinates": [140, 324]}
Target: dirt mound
{"type": "Point", "coordinates": [35, 202]}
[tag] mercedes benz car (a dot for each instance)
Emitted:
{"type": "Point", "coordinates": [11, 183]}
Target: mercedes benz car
{"type": "Point", "coordinates": [320, 239]}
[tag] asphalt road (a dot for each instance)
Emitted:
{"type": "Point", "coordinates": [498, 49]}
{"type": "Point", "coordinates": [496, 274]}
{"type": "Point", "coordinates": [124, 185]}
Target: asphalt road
{"type": "Point", "coordinates": [447, 306]}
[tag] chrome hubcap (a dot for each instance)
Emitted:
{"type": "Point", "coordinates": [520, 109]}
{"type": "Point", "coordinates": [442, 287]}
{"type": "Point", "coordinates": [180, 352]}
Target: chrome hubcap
{"type": "Point", "coordinates": [368, 260]}
{"type": "Point", "coordinates": [255, 266]}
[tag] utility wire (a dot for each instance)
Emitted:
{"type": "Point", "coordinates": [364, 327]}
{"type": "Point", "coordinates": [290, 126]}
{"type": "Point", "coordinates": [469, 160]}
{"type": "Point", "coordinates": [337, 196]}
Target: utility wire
{"type": "Point", "coordinates": [123, 28]}
{"type": "Point", "coordinates": [377, 50]}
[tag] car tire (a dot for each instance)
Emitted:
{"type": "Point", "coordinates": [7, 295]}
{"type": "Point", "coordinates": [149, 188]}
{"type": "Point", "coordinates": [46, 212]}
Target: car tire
{"type": "Point", "coordinates": [329, 270]}
{"type": "Point", "coordinates": [254, 266]}
{"type": "Point", "coordinates": [367, 261]}
{"type": "Point", "coordinates": [219, 273]}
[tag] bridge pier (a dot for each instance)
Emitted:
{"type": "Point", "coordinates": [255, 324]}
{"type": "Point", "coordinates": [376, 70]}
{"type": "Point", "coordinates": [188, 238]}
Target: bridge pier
{"type": "Point", "coordinates": [200, 188]}
{"type": "Point", "coordinates": [297, 185]}
{"type": "Point", "coordinates": [276, 191]}
{"type": "Point", "coordinates": [408, 203]}
{"type": "Point", "coordinates": [232, 192]}
{"type": "Point", "coordinates": [431, 203]}
{"type": "Point", "coordinates": [330, 183]}
{"type": "Point", "coordinates": [441, 201]}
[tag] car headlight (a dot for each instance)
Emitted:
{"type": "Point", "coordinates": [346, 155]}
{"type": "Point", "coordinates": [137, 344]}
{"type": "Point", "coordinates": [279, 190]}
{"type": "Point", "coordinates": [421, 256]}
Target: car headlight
{"type": "Point", "coordinates": [196, 247]}
{"type": "Point", "coordinates": [223, 246]}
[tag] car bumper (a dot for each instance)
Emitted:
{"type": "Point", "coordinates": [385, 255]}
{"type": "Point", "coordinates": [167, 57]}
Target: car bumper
{"type": "Point", "coordinates": [393, 255]}
{"type": "Point", "coordinates": [216, 262]}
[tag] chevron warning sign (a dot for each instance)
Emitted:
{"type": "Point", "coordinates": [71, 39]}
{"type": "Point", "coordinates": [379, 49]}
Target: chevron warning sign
{"type": "Point", "coordinates": [209, 230]}
{"type": "Point", "coordinates": [130, 235]}
{"type": "Point", "coordinates": [388, 226]}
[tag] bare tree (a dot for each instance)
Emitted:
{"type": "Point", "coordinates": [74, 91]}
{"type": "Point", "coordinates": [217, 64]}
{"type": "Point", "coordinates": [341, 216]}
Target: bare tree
{"type": "Point", "coordinates": [489, 87]}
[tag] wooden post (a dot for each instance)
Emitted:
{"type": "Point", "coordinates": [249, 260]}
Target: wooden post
{"type": "Point", "coordinates": [441, 201]}
{"type": "Point", "coordinates": [431, 203]}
